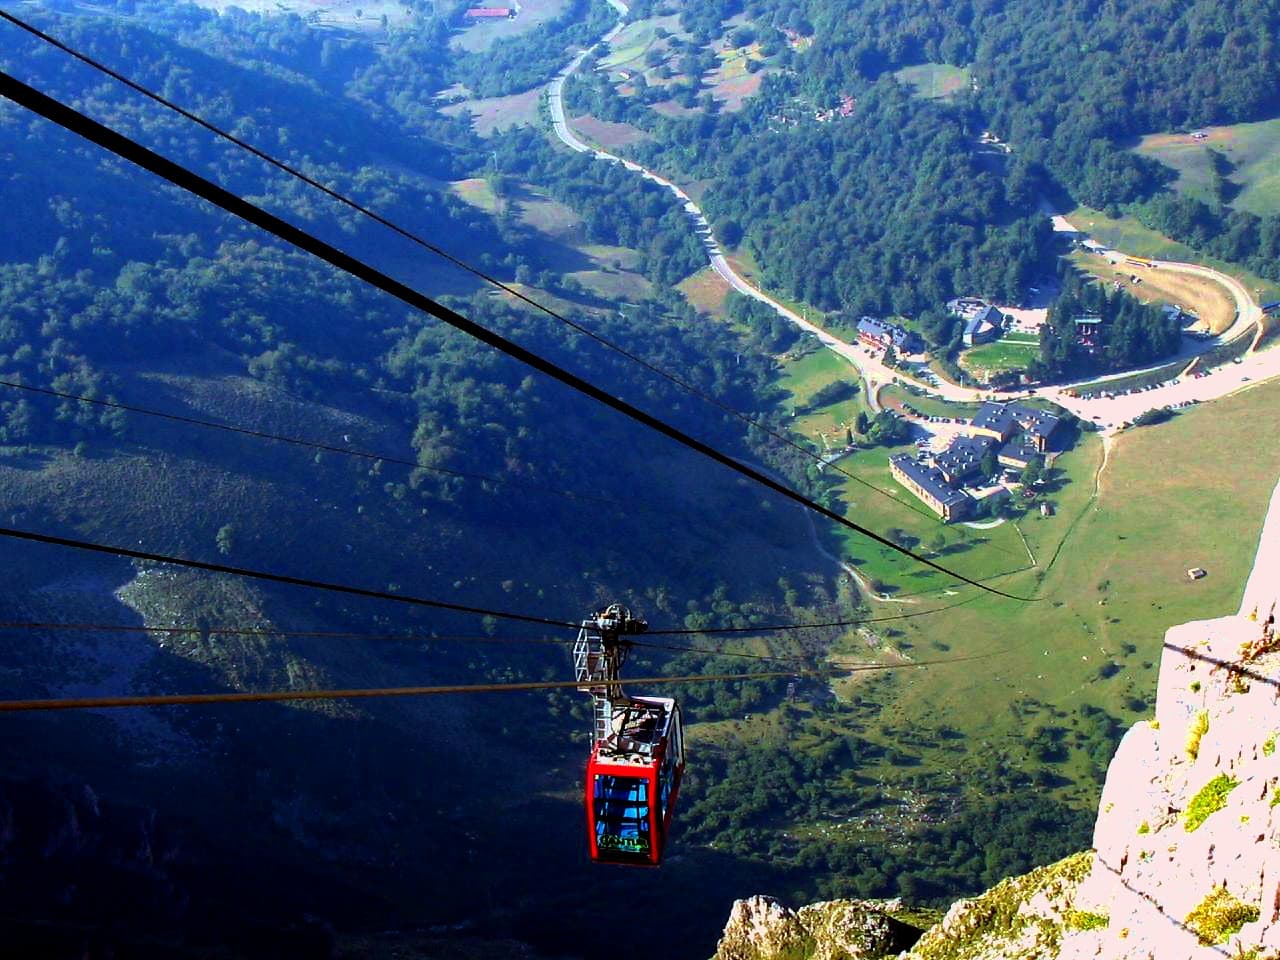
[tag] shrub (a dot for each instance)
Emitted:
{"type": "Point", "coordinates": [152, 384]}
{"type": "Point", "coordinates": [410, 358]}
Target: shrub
{"type": "Point", "coordinates": [1211, 798]}
{"type": "Point", "coordinates": [1219, 916]}
{"type": "Point", "coordinates": [1084, 920]}
{"type": "Point", "coordinates": [1195, 733]}
{"type": "Point", "coordinates": [1152, 417]}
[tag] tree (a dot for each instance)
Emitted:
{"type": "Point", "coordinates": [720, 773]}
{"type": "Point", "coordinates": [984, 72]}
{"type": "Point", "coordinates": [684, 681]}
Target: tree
{"type": "Point", "coordinates": [730, 232]}
{"type": "Point", "coordinates": [1031, 474]}
{"type": "Point", "coordinates": [990, 465]}
{"type": "Point", "coordinates": [888, 429]}
{"type": "Point", "coordinates": [226, 539]}
{"type": "Point", "coordinates": [861, 424]}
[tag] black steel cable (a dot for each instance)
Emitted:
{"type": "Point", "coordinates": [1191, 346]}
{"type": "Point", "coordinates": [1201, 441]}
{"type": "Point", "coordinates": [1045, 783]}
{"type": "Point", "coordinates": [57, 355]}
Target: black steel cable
{"type": "Point", "coordinates": [33, 537]}
{"type": "Point", "coordinates": [310, 444]}
{"type": "Point", "coordinates": [369, 637]}
{"type": "Point", "coordinates": [276, 696]}
{"type": "Point", "coordinates": [444, 254]}
{"type": "Point", "coordinates": [122, 146]}
{"type": "Point", "coordinates": [778, 628]}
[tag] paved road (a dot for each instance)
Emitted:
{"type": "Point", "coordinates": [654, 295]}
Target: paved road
{"type": "Point", "coordinates": [1108, 413]}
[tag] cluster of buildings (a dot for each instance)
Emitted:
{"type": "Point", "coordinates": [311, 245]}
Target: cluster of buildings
{"type": "Point", "coordinates": [1014, 432]}
{"type": "Point", "coordinates": [881, 335]}
{"type": "Point", "coordinates": [844, 109]}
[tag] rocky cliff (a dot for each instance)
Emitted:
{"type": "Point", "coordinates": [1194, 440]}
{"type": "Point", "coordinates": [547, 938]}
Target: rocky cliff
{"type": "Point", "coordinates": [1186, 858]}
{"type": "Point", "coordinates": [1187, 841]}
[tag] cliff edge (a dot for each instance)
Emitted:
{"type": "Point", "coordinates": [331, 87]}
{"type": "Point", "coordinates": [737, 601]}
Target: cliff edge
{"type": "Point", "coordinates": [1186, 847]}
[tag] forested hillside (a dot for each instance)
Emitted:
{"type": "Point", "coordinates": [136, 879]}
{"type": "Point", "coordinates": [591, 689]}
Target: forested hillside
{"type": "Point", "coordinates": [524, 496]}
{"type": "Point", "coordinates": [899, 206]}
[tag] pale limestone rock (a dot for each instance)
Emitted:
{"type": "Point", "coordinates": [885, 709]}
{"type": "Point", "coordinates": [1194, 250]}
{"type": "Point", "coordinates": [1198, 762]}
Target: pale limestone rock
{"type": "Point", "coordinates": [849, 930]}
{"type": "Point", "coordinates": [1017, 919]}
{"type": "Point", "coordinates": [761, 928]}
{"type": "Point", "coordinates": [1149, 879]}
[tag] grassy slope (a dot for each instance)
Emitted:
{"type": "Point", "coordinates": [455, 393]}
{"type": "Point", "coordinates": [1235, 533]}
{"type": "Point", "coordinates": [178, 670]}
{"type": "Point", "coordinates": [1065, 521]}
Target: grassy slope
{"type": "Point", "coordinates": [804, 377]}
{"type": "Point", "coordinates": [500, 113]}
{"type": "Point", "coordinates": [607, 272]}
{"type": "Point", "coordinates": [1119, 578]}
{"type": "Point", "coordinates": [1129, 236]}
{"type": "Point", "coordinates": [707, 291]}
{"type": "Point", "coordinates": [929, 406]}
{"type": "Point", "coordinates": [1252, 148]}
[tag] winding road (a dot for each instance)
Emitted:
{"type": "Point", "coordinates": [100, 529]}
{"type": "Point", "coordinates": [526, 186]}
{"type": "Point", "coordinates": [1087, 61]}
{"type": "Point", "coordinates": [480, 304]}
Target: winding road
{"type": "Point", "coordinates": [1109, 413]}
{"type": "Point", "coordinates": [560, 124]}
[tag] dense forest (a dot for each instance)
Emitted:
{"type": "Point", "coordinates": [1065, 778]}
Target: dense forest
{"type": "Point", "coordinates": [119, 289]}
{"type": "Point", "coordinates": [847, 216]}
{"type": "Point", "coordinates": [1128, 333]}
{"type": "Point", "coordinates": [898, 207]}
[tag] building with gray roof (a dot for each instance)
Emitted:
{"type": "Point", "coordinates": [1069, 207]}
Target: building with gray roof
{"type": "Point", "coordinates": [930, 487]}
{"type": "Point", "coordinates": [963, 458]}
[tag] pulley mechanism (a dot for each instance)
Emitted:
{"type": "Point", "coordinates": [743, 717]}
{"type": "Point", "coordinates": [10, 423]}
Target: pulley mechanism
{"type": "Point", "coordinates": [637, 746]}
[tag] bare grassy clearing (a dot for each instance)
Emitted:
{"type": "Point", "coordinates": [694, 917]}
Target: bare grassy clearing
{"type": "Point", "coordinates": [606, 133]}
{"type": "Point", "coordinates": [707, 291]}
{"type": "Point", "coordinates": [1206, 299]}
{"type": "Point", "coordinates": [499, 113]}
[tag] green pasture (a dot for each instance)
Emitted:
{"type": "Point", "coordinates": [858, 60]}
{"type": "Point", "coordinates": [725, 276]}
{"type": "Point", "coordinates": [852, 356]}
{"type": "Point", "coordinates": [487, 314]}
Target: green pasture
{"type": "Point", "coordinates": [1010, 353]}
{"type": "Point", "coordinates": [1111, 578]}
{"type": "Point", "coordinates": [803, 378]}
{"type": "Point", "coordinates": [929, 406]}
{"type": "Point", "coordinates": [1252, 148]}
{"type": "Point", "coordinates": [975, 553]}
{"type": "Point", "coordinates": [935, 81]}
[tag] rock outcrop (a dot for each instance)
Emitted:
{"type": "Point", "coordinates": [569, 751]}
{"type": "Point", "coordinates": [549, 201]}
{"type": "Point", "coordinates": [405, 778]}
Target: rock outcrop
{"type": "Point", "coordinates": [1188, 829]}
{"type": "Point", "coordinates": [761, 928]}
{"type": "Point", "coordinates": [1017, 919]}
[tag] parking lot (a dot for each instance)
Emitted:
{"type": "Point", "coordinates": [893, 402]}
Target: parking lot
{"type": "Point", "coordinates": [1112, 411]}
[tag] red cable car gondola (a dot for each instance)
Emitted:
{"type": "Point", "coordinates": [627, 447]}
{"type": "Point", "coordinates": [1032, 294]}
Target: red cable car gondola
{"type": "Point", "coordinates": [637, 749]}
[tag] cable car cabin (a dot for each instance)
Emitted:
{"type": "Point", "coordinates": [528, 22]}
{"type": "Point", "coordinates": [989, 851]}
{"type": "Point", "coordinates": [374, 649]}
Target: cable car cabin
{"type": "Point", "coordinates": [633, 778]}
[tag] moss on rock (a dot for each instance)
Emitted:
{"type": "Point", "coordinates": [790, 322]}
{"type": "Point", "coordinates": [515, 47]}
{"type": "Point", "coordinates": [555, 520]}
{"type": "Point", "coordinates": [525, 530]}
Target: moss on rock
{"type": "Point", "coordinates": [1219, 916]}
{"type": "Point", "coordinates": [1211, 798]}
